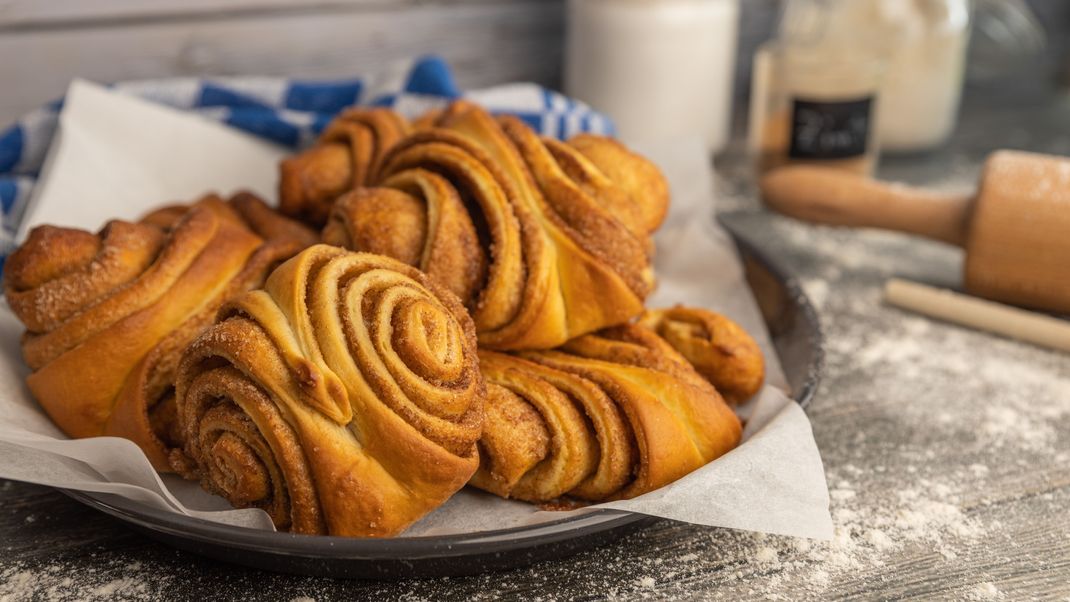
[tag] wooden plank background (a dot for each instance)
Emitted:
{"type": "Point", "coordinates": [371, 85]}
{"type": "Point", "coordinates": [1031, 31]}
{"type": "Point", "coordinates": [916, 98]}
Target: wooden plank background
{"type": "Point", "coordinates": [44, 44]}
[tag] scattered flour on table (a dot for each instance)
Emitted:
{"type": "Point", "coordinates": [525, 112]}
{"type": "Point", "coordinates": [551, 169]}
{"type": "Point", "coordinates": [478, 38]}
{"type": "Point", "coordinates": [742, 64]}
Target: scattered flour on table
{"type": "Point", "coordinates": [879, 540]}
{"type": "Point", "coordinates": [984, 591]}
{"type": "Point", "coordinates": [817, 290]}
{"type": "Point", "coordinates": [767, 555]}
{"type": "Point", "coordinates": [866, 534]}
{"type": "Point", "coordinates": [909, 484]}
{"type": "Point", "coordinates": [55, 583]}
{"type": "Point", "coordinates": [915, 478]}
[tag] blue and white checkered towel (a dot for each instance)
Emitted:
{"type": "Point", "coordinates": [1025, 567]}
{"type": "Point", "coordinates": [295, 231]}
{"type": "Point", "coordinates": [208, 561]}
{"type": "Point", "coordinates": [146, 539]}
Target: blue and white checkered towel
{"type": "Point", "coordinates": [289, 112]}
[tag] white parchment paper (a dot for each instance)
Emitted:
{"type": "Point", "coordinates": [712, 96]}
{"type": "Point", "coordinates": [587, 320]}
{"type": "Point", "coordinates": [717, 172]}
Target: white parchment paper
{"type": "Point", "coordinates": [118, 156]}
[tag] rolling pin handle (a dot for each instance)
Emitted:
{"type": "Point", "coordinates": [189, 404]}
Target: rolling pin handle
{"type": "Point", "coordinates": [829, 196]}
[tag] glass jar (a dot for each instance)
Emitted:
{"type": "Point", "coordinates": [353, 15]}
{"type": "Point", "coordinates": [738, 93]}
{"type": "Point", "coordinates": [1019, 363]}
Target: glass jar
{"type": "Point", "coordinates": [812, 106]}
{"type": "Point", "coordinates": [815, 93]}
{"type": "Point", "coordinates": [926, 65]}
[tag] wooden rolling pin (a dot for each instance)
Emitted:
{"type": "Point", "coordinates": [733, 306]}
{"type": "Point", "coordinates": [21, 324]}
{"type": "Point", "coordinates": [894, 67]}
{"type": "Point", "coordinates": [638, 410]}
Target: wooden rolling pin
{"type": "Point", "coordinates": [1015, 230]}
{"type": "Point", "coordinates": [1011, 322]}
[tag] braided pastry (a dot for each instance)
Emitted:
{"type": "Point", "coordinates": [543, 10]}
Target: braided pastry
{"type": "Point", "coordinates": [718, 348]}
{"type": "Point", "coordinates": [345, 398]}
{"type": "Point", "coordinates": [108, 314]}
{"type": "Point", "coordinates": [610, 415]}
{"type": "Point", "coordinates": [522, 229]}
{"type": "Point", "coordinates": [347, 155]}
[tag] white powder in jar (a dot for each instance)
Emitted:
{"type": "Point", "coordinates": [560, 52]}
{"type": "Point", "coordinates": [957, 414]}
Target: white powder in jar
{"type": "Point", "coordinates": [919, 96]}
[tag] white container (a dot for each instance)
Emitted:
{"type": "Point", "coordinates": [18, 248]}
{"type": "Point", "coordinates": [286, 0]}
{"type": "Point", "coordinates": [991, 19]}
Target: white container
{"type": "Point", "coordinates": [661, 69]}
{"type": "Point", "coordinates": [920, 94]}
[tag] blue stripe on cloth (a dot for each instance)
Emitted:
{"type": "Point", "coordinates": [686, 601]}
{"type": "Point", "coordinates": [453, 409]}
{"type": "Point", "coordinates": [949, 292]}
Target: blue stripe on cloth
{"type": "Point", "coordinates": [431, 75]}
{"type": "Point", "coordinates": [266, 124]}
{"type": "Point", "coordinates": [386, 100]}
{"type": "Point", "coordinates": [11, 143]}
{"type": "Point", "coordinates": [606, 126]}
{"type": "Point", "coordinates": [319, 123]}
{"type": "Point", "coordinates": [304, 110]}
{"type": "Point", "coordinates": [213, 95]}
{"type": "Point", "coordinates": [322, 97]}
{"type": "Point", "coordinates": [9, 192]}
{"type": "Point", "coordinates": [534, 120]}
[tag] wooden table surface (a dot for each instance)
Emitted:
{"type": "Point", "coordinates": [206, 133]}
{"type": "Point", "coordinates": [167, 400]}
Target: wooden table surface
{"type": "Point", "coordinates": [947, 454]}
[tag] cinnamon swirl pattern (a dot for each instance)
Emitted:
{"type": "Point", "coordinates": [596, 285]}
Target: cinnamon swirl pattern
{"type": "Point", "coordinates": [534, 236]}
{"type": "Point", "coordinates": [344, 398]}
{"type": "Point", "coordinates": [108, 314]}
{"type": "Point", "coordinates": [610, 415]}
{"type": "Point", "coordinates": [347, 155]}
{"type": "Point", "coordinates": [718, 348]}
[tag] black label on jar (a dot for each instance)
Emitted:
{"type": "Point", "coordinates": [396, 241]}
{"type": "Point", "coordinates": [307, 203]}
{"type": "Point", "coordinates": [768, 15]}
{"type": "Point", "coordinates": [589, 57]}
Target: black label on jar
{"type": "Point", "coordinates": [829, 130]}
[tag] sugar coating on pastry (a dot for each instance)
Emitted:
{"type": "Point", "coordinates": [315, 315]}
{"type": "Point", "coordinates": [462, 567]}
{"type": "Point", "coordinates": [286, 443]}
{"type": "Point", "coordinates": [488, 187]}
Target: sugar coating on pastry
{"type": "Point", "coordinates": [344, 398]}
{"type": "Point", "coordinates": [108, 314]}
{"type": "Point", "coordinates": [610, 415]}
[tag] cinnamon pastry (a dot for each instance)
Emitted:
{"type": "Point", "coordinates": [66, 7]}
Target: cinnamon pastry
{"type": "Point", "coordinates": [266, 222]}
{"type": "Point", "coordinates": [107, 315]}
{"type": "Point", "coordinates": [718, 348]}
{"type": "Point", "coordinates": [608, 416]}
{"type": "Point", "coordinates": [344, 398]}
{"type": "Point", "coordinates": [538, 242]}
{"type": "Point", "coordinates": [632, 187]}
{"type": "Point", "coordinates": [347, 155]}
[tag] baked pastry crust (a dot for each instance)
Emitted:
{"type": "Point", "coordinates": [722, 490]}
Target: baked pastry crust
{"type": "Point", "coordinates": [347, 155]}
{"type": "Point", "coordinates": [108, 314]}
{"type": "Point", "coordinates": [718, 348]}
{"type": "Point", "coordinates": [344, 398]}
{"type": "Point", "coordinates": [522, 228]}
{"type": "Point", "coordinates": [609, 415]}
